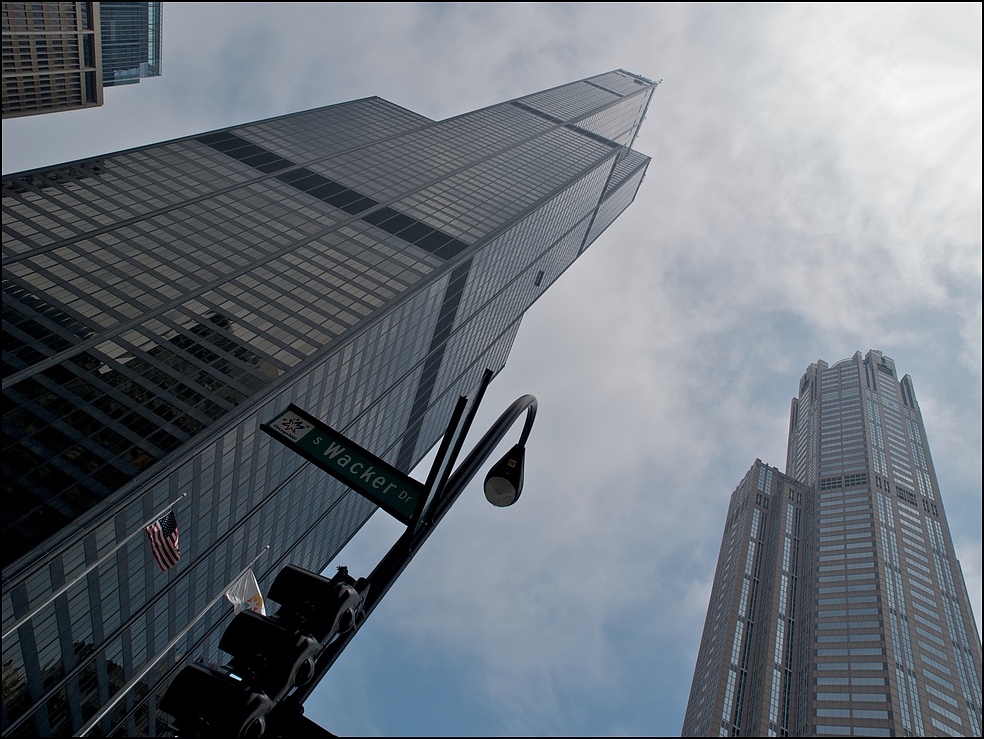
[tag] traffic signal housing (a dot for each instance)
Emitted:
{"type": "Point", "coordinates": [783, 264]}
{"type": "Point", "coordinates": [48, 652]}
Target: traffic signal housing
{"type": "Point", "coordinates": [208, 702]}
{"type": "Point", "coordinates": [278, 652]}
{"type": "Point", "coordinates": [270, 655]}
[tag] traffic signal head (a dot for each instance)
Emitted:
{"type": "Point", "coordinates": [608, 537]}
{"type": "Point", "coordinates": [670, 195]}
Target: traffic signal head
{"type": "Point", "coordinates": [268, 653]}
{"type": "Point", "coordinates": [206, 702]}
{"type": "Point", "coordinates": [314, 604]}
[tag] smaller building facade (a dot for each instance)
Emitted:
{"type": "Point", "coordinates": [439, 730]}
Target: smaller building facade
{"type": "Point", "coordinates": [748, 644]}
{"type": "Point", "coordinates": [60, 56]}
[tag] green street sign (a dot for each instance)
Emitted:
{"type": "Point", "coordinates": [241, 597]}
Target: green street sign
{"type": "Point", "coordinates": [396, 493]}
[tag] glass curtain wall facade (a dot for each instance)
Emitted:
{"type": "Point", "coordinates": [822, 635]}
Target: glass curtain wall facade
{"type": "Point", "coordinates": [359, 260]}
{"type": "Point", "coordinates": [131, 42]}
{"type": "Point", "coordinates": [880, 635]}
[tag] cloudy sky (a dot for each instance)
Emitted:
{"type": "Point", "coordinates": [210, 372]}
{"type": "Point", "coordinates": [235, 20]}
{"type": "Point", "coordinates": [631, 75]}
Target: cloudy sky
{"type": "Point", "coordinates": [815, 190]}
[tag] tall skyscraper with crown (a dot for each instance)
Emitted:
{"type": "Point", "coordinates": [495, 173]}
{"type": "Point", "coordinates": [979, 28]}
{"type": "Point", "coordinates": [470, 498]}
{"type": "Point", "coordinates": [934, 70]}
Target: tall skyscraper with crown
{"type": "Point", "coordinates": [839, 607]}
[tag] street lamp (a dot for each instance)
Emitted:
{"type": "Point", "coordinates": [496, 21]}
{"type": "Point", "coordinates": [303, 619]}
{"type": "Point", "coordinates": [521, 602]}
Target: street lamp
{"type": "Point", "coordinates": [504, 482]}
{"type": "Point", "coordinates": [278, 660]}
{"type": "Point", "coordinates": [503, 485]}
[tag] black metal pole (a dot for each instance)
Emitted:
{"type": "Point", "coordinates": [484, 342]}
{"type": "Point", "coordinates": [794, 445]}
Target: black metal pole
{"type": "Point", "coordinates": [392, 565]}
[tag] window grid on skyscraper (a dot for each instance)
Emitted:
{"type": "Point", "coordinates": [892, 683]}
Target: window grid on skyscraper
{"type": "Point", "coordinates": [359, 260]}
{"type": "Point", "coordinates": [886, 641]}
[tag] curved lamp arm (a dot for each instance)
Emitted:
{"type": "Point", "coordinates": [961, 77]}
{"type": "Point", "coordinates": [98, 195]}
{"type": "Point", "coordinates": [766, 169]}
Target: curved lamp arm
{"type": "Point", "coordinates": [391, 566]}
{"type": "Point", "coordinates": [483, 450]}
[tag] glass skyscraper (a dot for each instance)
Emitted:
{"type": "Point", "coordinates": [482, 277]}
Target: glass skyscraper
{"type": "Point", "coordinates": [838, 606]}
{"type": "Point", "coordinates": [359, 260]}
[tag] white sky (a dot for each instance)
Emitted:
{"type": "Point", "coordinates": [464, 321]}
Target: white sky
{"type": "Point", "coordinates": [815, 190]}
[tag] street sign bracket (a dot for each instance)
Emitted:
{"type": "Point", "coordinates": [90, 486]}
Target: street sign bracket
{"type": "Point", "coordinates": [447, 455]}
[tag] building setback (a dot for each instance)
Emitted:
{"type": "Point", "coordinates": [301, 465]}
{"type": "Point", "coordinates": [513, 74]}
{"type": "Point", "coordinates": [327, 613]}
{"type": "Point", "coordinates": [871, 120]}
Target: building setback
{"type": "Point", "coordinates": [838, 605]}
{"type": "Point", "coordinates": [359, 260]}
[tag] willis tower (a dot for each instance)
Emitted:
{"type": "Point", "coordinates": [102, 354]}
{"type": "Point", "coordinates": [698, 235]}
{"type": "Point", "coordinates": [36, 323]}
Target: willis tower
{"type": "Point", "coordinates": [359, 260]}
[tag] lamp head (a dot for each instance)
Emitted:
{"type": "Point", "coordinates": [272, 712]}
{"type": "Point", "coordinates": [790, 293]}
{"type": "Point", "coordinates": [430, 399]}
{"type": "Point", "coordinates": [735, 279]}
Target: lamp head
{"type": "Point", "coordinates": [504, 483]}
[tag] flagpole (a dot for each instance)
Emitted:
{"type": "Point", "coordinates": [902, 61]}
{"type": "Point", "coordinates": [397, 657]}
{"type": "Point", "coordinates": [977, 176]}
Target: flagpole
{"type": "Point", "coordinates": [37, 609]}
{"type": "Point", "coordinates": [150, 665]}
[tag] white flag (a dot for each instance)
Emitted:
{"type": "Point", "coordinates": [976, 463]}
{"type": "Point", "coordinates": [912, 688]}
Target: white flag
{"type": "Point", "coordinates": [244, 594]}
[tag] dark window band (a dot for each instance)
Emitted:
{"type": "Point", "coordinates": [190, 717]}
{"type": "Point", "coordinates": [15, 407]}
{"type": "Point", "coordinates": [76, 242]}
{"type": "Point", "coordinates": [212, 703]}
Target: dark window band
{"type": "Point", "coordinates": [337, 195]}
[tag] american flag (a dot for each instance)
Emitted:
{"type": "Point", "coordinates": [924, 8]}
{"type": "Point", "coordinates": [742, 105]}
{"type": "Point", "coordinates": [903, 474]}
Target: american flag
{"type": "Point", "coordinates": [163, 537]}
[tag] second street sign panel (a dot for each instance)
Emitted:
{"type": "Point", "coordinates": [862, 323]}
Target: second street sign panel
{"type": "Point", "coordinates": [393, 491]}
